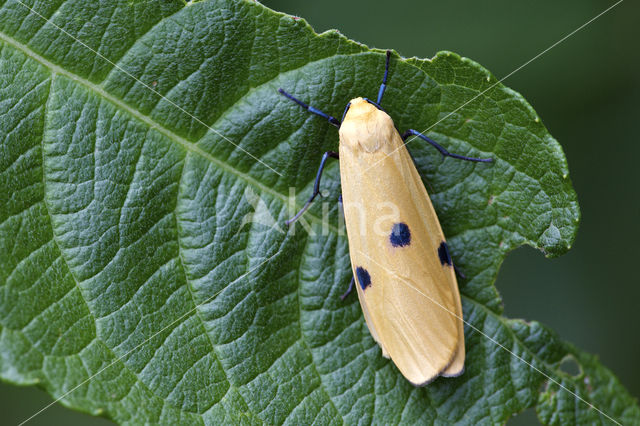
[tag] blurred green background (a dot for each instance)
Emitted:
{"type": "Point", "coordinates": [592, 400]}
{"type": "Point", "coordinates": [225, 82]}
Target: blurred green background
{"type": "Point", "coordinates": [587, 92]}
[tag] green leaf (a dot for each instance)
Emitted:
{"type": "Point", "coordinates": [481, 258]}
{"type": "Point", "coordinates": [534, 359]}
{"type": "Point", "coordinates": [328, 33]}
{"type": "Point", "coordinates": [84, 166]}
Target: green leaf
{"type": "Point", "coordinates": [140, 277]}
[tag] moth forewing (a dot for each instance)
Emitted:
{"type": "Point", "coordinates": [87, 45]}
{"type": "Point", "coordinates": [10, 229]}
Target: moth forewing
{"type": "Point", "coordinates": [456, 367]}
{"type": "Point", "coordinates": [408, 294]}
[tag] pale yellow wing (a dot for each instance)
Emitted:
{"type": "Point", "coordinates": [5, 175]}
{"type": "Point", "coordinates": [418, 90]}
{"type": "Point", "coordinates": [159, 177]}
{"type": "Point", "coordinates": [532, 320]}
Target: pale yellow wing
{"type": "Point", "coordinates": [456, 367]}
{"type": "Point", "coordinates": [409, 297]}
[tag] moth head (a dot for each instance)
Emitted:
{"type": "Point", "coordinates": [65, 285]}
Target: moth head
{"type": "Point", "coordinates": [365, 126]}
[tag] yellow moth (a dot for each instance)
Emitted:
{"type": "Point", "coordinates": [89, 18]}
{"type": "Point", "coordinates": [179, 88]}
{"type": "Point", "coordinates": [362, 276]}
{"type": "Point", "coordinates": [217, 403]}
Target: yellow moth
{"type": "Point", "coordinates": [405, 277]}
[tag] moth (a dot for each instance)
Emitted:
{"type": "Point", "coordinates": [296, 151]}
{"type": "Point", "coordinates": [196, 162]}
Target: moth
{"type": "Point", "coordinates": [406, 282]}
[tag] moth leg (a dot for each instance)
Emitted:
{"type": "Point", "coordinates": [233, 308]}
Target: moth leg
{"type": "Point", "coordinates": [443, 151]}
{"type": "Point", "coordinates": [350, 289]}
{"type": "Point", "coordinates": [446, 259]}
{"type": "Point", "coordinates": [316, 186]}
{"type": "Point", "coordinates": [384, 79]}
{"type": "Point", "coordinates": [311, 109]}
{"type": "Point", "coordinates": [459, 272]}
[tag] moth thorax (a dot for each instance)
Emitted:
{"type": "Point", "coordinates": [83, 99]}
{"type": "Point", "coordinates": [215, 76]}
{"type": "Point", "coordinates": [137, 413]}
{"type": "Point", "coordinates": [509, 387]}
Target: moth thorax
{"type": "Point", "coordinates": [365, 127]}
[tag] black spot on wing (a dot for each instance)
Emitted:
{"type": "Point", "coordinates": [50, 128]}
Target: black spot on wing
{"type": "Point", "coordinates": [443, 254]}
{"type": "Point", "coordinates": [364, 279]}
{"type": "Point", "coordinates": [400, 235]}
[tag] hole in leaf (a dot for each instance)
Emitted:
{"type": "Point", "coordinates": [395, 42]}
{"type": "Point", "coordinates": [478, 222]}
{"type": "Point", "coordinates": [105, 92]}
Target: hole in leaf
{"type": "Point", "coordinates": [570, 366]}
{"type": "Point", "coordinates": [524, 418]}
